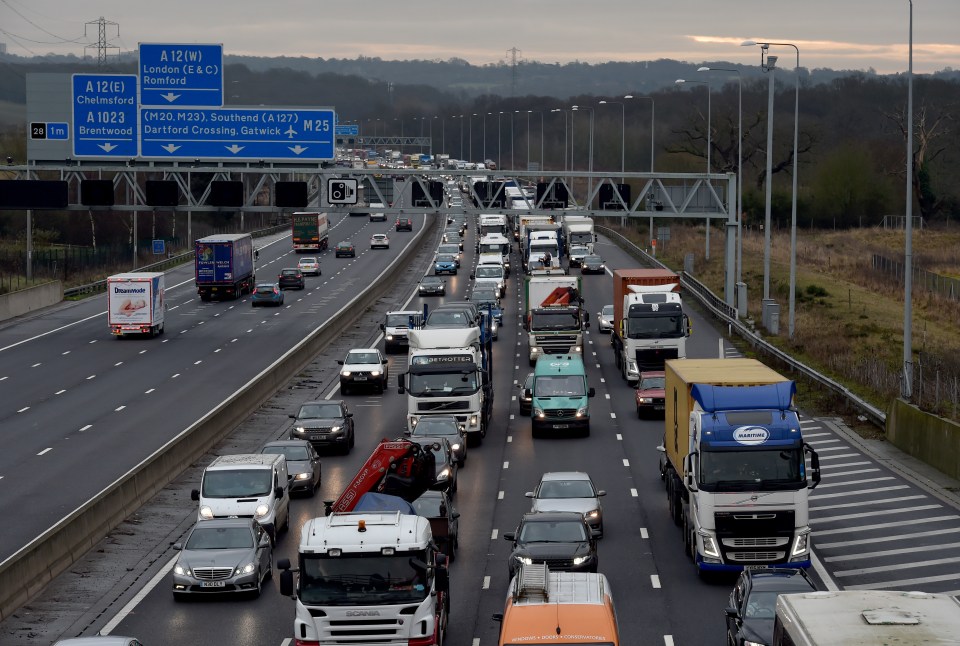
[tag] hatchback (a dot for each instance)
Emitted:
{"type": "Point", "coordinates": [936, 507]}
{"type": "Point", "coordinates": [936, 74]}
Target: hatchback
{"type": "Point", "coordinates": [379, 241]}
{"type": "Point", "coordinates": [267, 294]}
{"type": "Point", "coordinates": [303, 464]}
{"type": "Point", "coordinates": [309, 266]}
{"type": "Point", "coordinates": [290, 278]}
{"type": "Point", "coordinates": [560, 539]}
{"type": "Point", "coordinates": [592, 265]}
{"type": "Point", "coordinates": [445, 264]}
{"type": "Point", "coordinates": [345, 249]}
{"type": "Point", "coordinates": [404, 224]}
{"type": "Point", "coordinates": [432, 286]}
{"type": "Point", "coordinates": [570, 491]}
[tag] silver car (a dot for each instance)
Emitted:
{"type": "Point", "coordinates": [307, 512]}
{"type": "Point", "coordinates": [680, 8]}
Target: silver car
{"type": "Point", "coordinates": [222, 556]}
{"type": "Point", "coordinates": [303, 464]}
{"type": "Point", "coordinates": [605, 319]}
{"type": "Point", "coordinates": [570, 491]}
{"type": "Point", "coordinates": [100, 640]}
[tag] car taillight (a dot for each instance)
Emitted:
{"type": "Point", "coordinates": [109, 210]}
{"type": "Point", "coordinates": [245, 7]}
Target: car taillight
{"type": "Point", "coordinates": [276, 290]}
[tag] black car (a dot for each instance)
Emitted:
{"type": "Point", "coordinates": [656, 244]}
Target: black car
{"type": "Point", "coordinates": [561, 539]}
{"type": "Point", "coordinates": [404, 224]}
{"type": "Point", "coordinates": [324, 423]}
{"type": "Point", "coordinates": [432, 286]}
{"type": "Point", "coordinates": [592, 265]}
{"type": "Point", "coordinates": [444, 426]}
{"type": "Point", "coordinates": [526, 395]}
{"type": "Point", "coordinates": [303, 464]}
{"type": "Point", "coordinates": [446, 478]}
{"type": "Point", "coordinates": [345, 249]}
{"type": "Point", "coordinates": [436, 507]}
{"type": "Point", "coordinates": [753, 603]}
{"type": "Point", "coordinates": [290, 278]}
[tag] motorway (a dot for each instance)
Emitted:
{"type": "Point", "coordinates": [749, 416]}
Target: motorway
{"type": "Point", "coordinates": [859, 503]}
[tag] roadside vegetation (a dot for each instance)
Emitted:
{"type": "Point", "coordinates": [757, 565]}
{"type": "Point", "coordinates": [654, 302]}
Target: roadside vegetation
{"type": "Point", "coordinates": [849, 316]}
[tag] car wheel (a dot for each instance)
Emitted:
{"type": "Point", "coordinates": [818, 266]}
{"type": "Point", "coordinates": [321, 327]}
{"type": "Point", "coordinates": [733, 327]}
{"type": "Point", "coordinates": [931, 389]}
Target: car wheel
{"type": "Point", "coordinates": [269, 574]}
{"type": "Point", "coordinates": [255, 593]}
{"type": "Point", "coordinates": [639, 412]}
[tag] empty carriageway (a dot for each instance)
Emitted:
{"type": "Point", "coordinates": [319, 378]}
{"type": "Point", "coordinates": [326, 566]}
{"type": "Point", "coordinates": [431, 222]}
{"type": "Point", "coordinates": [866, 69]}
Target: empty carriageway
{"type": "Point", "coordinates": [880, 528]}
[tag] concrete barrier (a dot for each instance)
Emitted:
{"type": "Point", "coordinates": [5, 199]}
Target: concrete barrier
{"type": "Point", "coordinates": [26, 572]}
{"type": "Point", "coordinates": [935, 440]}
{"type": "Point", "coordinates": [33, 298]}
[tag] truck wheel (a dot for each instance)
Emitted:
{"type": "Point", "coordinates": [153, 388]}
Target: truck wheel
{"type": "Point", "coordinates": [673, 497]}
{"type": "Point", "coordinates": [205, 298]}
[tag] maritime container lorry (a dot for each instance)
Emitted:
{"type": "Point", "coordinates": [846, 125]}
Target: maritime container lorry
{"type": "Point", "coordinates": [310, 231]}
{"type": "Point", "coordinates": [649, 324]}
{"type": "Point", "coordinates": [135, 303]}
{"type": "Point", "coordinates": [223, 266]}
{"type": "Point", "coordinates": [735, 465]}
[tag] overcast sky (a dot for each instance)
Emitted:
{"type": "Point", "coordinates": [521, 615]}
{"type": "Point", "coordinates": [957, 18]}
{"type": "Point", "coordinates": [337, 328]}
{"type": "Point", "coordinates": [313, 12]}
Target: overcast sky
{"type": "Point", "coordinates": [839, 34]}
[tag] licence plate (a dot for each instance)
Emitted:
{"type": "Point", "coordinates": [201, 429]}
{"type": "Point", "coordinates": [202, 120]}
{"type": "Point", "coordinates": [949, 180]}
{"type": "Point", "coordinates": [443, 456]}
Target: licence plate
{"type": "Point", "coordinates": [756, 567]}
{"type": "Point", "coordinates": [561, 426]}
{"type": "Point", "coordinates": [212, 584]}
{"type": "Point", "coordinates": [658, 407]}
{"type": "Point", "coordinates": [359, 378]}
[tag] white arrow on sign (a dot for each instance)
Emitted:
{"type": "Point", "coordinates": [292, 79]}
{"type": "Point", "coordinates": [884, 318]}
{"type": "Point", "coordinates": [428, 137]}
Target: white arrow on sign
{"type": "Point", "coordinates": [297, 149]}
{"type": "Point", "coordinates": [234, 148]}
{"type": "Point", "coordinates": [170, 96]}
{"type": "Point", "coordinates": [106, 147]}
{"type": "Point", "coordinates": [170, 148]}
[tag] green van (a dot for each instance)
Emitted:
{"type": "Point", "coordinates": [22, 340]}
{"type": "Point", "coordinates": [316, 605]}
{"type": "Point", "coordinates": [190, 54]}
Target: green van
{"type": "Point", "coordinates": [560, 395]}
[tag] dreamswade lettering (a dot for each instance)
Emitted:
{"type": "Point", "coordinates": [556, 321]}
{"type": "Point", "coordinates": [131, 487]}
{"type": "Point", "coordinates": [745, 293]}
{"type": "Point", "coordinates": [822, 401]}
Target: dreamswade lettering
{"type": "Point", "coordinates": [129, 290]}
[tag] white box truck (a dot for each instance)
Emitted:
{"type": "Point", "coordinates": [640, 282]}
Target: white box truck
{"type": "Point", "coordinates": [135, 303]}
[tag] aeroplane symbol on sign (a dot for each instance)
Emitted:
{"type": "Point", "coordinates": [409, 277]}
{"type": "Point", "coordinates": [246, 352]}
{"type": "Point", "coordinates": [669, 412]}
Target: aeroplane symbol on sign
{"type": "Point", "coordinates": [290, 132]}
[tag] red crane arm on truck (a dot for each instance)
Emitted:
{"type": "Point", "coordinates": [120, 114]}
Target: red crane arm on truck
{"type": "Point", "coordinates": [396, 467]}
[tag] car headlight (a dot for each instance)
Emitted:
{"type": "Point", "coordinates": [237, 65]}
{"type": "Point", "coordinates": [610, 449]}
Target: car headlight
{"type": "Point", "coordinates": [206, 513]}
{"type": "Point", "coordinates": [579, 560]}
{"type": "Point", "coordinates": [389, 337]}
{"type": "Point", "coordinates": [593, 513]}
{"type": "Point", "coordinates": [525, 560]}
{"type": "Point", "coordinates": [335, 429]}
{"type": "Point", "coordinates": [246, 569]}
{"type": "Point", "coordinates": [182, 571]}
{"type": "Point", "coordinates": [345, 373]}
{"type": "Point", "coordinates": [444, 474]}
{"type": "Point", "coordinates": [303, 476]}
{"type": "Point", "coordinates": [801, 544]}
{"type": "Point", "coordinates": [538, 412]}
{"type": "Point", "coordinates": [455, 447]}
{"type": "Point", "coordinates": [582, 411]}
{"type": "Point", "coordinates": [261, 511]}
{"type": "Point", "coordinates": [374, 373]}
{"type": "Point", "coordinates": [750, 643]}
{"type": "Point", "coordinates": [710, 548]}
{"type": "Point", "coordinates": [299, 429]}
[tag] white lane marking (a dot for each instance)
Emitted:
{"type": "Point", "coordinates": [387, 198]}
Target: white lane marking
{"type": "Point", "coordinates": [634, 492]}
{"type": "Point", "coordinates": [175, 376]}
{"type": "Point", "coordinates": [165, 340]}
{"type": "Point", "coordinates": [65, 353]}
{"type": "Point", "coordinates": [845, 465]}
{"type": "Point", "coordinates": [91, 377]}
{"type": "Point", "coordinates": [849, 483]}
{"type": "Point", "coordinates": [839, 457]}
{"type": "Point", "coordinates": [476, 641]}
{"type": "Point", "coordinates": [859, 492]}
{"type": "Point", "coordinates": [943, 547]}
{"type": "Point", "coordinates": [94, 341]}
{"type": "Point", "coordinates": [63, 327]}
{"type": "Point", "coordinates": [3, 378]}
{"type": "Point", "coordinates": [140, 596]}
{"type": "Point", "coordinates": [147, 392]}
{"type": "Point", "coordinates": [251, 330]}
{"type": "Point", "coordinates": [197, 363]}
{"type": "Point", "coordinates": [598, 366]}
{"type": "Point", "coordinates": [24, 409]}
{"type": "Point", "coordinates": [833, 448]}
{"type": "Point", "coordinates": [602, 380]}
{"type": "Point", "coordinates": [822, 572]}
{"type": "Point", "coordinates": [852, 473]}
{"type": "Point", "coordinates": [895, 537]}
{"type": "Point", "coordinates": [667, 639]}
{"type": "Point", "coordinates": [60, 392]}
{"type": "Point", "coordinates": [118, 409]}
{"type": "Point", "coordinates": [499, 495]}
{"type": "Point", "coordinates": [233, 340]}
{"type": "Point", "coordinates": [119, 363]}
{"type": "Point", "coordinates": [626, 462]}
{"type": "Point", "coordinates": [878, 512]}
{"type": "Point", "coordinates": [644, 533]}
{"type": "Point", "coordinates": [897, 566]}
{"type": "Point", "coordinates": [902, 583]}
{"type": "Point", "coordinates": [217, 350]}
{"type": "Point", "coordinates": [865, 503]}
{"type": "Point", "coordinates": [46, 450]}
{"type": "Point", "coordinates": [899, 523]}
{"type": "Point", "coordinates": [655, 581]}
{"type": "Point", "coordinates": [486, 583]}
{"type": "Point", "coordinates": [506, 465]}
{"type": "Point", "coordinates": [619, 437]}
{"type": "Point", "coordinates": [142, 352]}
{"type": "Point", "coordinates": [613, 415]}
{"type": "Point", "coordinates": [174, 307]}
{"type": "Point", "coordinates": [509, 439]}
{"type": "Point", "coordinates": [35, 365]}
{"type": "Point", "coordinates": [819, 442]}
{"type": "Point", "coordinates": [84, 428]}
{"type": "Point", "coordinates": [511, 415]}
{"type": "Point", "coordinates": [493, 534]}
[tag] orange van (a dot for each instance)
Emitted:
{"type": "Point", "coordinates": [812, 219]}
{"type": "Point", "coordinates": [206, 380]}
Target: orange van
{"type": "Point", "coordinates": [545, 607]}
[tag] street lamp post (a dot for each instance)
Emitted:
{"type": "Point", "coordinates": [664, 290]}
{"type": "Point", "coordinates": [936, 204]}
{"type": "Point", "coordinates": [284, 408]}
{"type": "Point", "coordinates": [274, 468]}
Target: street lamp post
{"type": "Point", "coordinates": [512, 142]}
{"type": "Point", "coordinates": [623, 133]}
{"type": "Point", "coordinates": [470, 142]}
{"type": "Point", "coordinates": [564, 135]}
{"type": "Point", "coordinates": [499, 140]}
{"type": "Point", "coordinates": [461, 136]}
{"type": "Point", "coordinates": [589, 155]}
{"type": "Point", "coordinates": [739, 205]}
{"type": "Point", "coordinates": [793, 201]}
{"type": "Point", "coordinates": [709, 146]}
{"type": "Point", "coordinates": [485, 115]}
{"type": "Point", "coordinates": [906, 385]}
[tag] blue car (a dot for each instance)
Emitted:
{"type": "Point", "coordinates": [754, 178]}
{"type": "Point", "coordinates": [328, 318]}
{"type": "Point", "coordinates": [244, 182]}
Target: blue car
{"type": "Point", "coordinates": [267, 294]}
{"type": "Point", "coordinates": [445, 264]}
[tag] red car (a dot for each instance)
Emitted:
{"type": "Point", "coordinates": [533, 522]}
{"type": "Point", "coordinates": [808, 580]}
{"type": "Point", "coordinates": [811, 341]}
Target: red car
{"type": "Point", "coordinates": [650, 394]}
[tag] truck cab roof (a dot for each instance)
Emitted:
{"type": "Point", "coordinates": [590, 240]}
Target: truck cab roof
{"type": "Point", "coordinates": [364, 533]}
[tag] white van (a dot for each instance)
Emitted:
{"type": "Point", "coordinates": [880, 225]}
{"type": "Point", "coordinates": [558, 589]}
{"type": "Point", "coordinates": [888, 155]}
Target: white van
{"type": "Point", "coordinates": [246, 486]}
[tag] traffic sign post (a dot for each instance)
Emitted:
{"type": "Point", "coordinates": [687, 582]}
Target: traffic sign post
{"type": "Point", "coordinates": [181, 74]}
{"type": "Point", "coordinates": [104, 115]}
{"type": "Point", "coordinates": [348, 131]}
{"type": "Point", "coordinates": [237, 133]}
{"type": "Point", "coordinates": [159, 247]}
{"type": "Point", "coordinates": [342, 191]}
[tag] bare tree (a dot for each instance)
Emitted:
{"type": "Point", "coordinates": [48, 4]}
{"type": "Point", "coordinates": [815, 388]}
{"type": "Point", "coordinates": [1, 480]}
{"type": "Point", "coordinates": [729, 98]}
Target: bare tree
{"type": "Point", "coordinates": [931, 138]}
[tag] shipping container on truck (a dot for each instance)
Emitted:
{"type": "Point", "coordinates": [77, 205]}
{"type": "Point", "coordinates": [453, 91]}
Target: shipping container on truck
{"type": "Point", "coordinates": [135, 303]}
{"type": "Point", "coordinates": [224, 266]}
{"type": "Point", "coordinates": [310, 231]}
{"type": "Point", "coordinates": [649, 325]}
{"type": "Point", "coordinates": [734, 464]}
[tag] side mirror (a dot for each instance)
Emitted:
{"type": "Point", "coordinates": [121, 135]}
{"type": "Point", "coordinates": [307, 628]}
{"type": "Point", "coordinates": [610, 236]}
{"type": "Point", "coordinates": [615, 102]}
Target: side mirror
{"type": "Point", "coordinates": [441, 580]}
{"type": "Point", "coordinates": [586, 322]}
{"type": "Point", "coordinates": [814, 466]}
{"type": "Point", "coordinates": [382, 327]}
{"type": "Point", "coordinates": [472, 276]}
{"type": "Point", "coordinates": [384, 361]}
{"type": "Point", "coordinates": [529, 494]}
{"type": "Point", "coordinates": [497, 616]}
{"type": "Point", "coordinates": [510, 536]}
{"type": "Point", "coordinates": [731, 612]}
{"type": "Point", "coordinates": [349, 414]}
{"type": "Point", "coordinates": [601, 493]}
{"type": "Point", "coordinates": [265, 541]}
{"type": "Point", "coordinates": [286, 581]}
{"type": "Point", "coordinates": [278, 493]}
{"type": "Point", "coordinates": [591, 392]}
{"type": "Point", "coordinates": [400, 388]}
{"type": "Point", "coordinates": [339, 363]}
{"type": "Point", "coordinates": [178, 546]}
{"type": "Point", "coordinates": [292, 416]}
{"type": "Point", "coordinates": [455, 515]}
{"type": "Point", "coordinates": [195, 494]}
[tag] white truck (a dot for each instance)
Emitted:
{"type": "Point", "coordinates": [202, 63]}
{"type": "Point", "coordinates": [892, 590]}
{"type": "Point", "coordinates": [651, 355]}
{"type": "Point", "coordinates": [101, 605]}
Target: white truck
{"type": "Point", "coordinates": [865, 618]}
{"type": "Point", "coordinates": [578, 231]}
{"type": "Point", "coordinates": [554, 317]}
{"type": "Point", "coordinates": [135, 303]}
{"type": "Point", "coordinates": [496, 243]}
{"type": "Point", "coordinates": [449, 374]}
{"type": "Point", "coordinates": [493, 223]}
{"type": "Point", "coordinates": [542, 250]}
{"type": "Point", "coordinates": [367, 578]}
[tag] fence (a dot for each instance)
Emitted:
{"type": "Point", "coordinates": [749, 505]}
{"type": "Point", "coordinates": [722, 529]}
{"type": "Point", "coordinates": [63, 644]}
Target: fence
{"type": "Point", "coordinates": [922, 279]}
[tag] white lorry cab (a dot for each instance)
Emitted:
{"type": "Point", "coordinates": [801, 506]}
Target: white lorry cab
{"type": "Point", "coordinates": [866, 618]}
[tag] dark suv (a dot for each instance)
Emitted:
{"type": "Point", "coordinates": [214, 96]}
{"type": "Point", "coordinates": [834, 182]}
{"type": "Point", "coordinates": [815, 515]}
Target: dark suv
{"type": "Point", "coordinates": [324, 423]}
{"type": "Point", "coordinates": [290, 278]}
{"type": "Point", "coordinates": [404, 224]}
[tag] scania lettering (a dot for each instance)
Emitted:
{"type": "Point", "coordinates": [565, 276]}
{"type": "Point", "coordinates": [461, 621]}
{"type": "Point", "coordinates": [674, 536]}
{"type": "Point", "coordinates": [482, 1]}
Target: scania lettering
{"type": "Point", "coordinates": [734, 464]}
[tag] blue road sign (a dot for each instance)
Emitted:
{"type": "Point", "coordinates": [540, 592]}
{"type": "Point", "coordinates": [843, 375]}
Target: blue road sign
{"type": "Point", "coordinates": [104, 115]}
{"type": "Point", "coordinates": [56, 130]}
{"type": "Point", "coordinates": [159, 247]}
{"type": "Point", "coordinates": [348, 131]}
{"type": "Point", "coordinates": [181, 74]}
{"type": "Point", "coordinates": [237, 133]}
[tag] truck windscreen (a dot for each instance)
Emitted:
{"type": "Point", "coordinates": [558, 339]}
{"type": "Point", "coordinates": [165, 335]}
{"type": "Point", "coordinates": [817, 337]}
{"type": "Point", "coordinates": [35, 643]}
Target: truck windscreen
{"type": "Point", "coordinates": [655, 325]}
{"type": "Point", "coordinates": [564, 320]}
{"type": "Point", "coordinates": [767, 469]}
{"type": "Point", "coordinates": [362, 579]}
{"type": "Point", "coordinates": [443, 384]}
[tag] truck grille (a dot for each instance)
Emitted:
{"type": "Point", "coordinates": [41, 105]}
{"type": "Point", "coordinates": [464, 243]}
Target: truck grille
{"type": "Point", "coordinates": [212, 573]}
{"type": "Point", "coordinates": [560, 413]}
{"type": "Point", "coordinates": [755, 542]}
{"type": "Point", "coordinates": [362, 631]}
{"type": "Point", "coordinates": [654, 358]}
{"type": "Point", "coordinates": [443, 406]}
{"type": "Point", "coordinates": [747, 536]}
{"type": "Point", "coordinates": [559, 344]}
{"type": "Point", "coordinates": [756, 557]}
